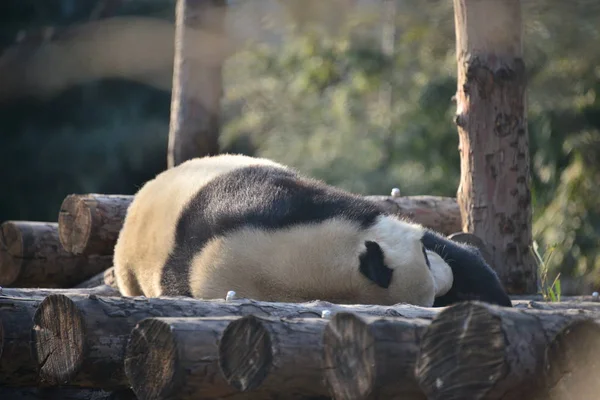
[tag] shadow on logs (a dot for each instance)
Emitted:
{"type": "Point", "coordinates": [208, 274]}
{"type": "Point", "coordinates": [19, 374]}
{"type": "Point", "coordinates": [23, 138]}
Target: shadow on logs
{"type": "Point", "coordinates": [478, 351]}
{"type": "Point", "coordinates": [274, 356]}
{"type": "Point", "coordinates": [371, 357]}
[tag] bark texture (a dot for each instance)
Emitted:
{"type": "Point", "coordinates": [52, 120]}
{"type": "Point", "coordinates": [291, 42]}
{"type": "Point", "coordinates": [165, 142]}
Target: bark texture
{"type": "Point", "coordinates": [372, 358]}
{"type": "Point", "coordinates": [31, 256]}
{"type": "Point", "coordinates": [475, 351]}
{"type": "Point", "coordinates": [494, 192]}
{"type": "Point", "coordinates": [266, 356]}
{"type": "Point", "coordinates": [81, 340]}
{"type": "Point", "coordinates": [197, 83]}
{"type": "Point", "coordinates": [90, 223]}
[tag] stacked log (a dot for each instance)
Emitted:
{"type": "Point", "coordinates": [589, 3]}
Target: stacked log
{"type": "Point", "coordinates": [31, 256]}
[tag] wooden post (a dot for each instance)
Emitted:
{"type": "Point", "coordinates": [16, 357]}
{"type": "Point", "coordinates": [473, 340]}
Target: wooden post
{"type": "Point", "coordinates": [197, 83]}
{"type": "Point", "coordinates": [494, 194]}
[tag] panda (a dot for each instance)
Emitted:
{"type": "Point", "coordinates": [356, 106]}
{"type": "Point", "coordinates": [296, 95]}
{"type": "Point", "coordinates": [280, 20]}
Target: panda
{"type": "Point", "coordinates": [260, 228]}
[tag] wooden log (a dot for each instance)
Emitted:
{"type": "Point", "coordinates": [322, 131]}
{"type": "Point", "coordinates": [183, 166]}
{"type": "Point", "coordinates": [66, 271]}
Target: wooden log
{"type": "Point", "coordinates": [372, 357]}
{"type": "Point", "coordinates": [571, 362]}
{"type": "Point", "coordinates": [81, 340]}
{"type": "Point", "coordinates": [265, 356]}
{"type": "Point", "coordinates": [474, 350]}
{"type": "Point", "coordinates": [176, 358]}
{"type": "Point", "coordinates": [90, 223]}
{"type": "Point", "coordinates": [494, 191]}
{"type": "Point", "coordinates": [103, 278]}
{"type": "Point", "coordinates": [94, 211]}
{"type": "Point", "coordinates": [63, 393]}
{"type": "Point", "coordinates": [31, 256]}
{"type": "Point", "coordinates": [197, 86]}
{"type": "Point", "coordinates": [17, 308]}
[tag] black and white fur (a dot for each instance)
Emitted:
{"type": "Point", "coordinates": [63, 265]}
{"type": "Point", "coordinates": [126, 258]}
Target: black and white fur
{"type": "Point", "coordinates": [251, 225]}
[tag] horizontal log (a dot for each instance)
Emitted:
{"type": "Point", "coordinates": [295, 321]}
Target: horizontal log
{"type": "Point", "coordinates": [31, 256]}
{"type": "Point", "coordinates": [17, 308]}
{"type": "Point", "coordinates": [476, 350]}
{"type": "Point", "coordinates": [90, 223]}
{"type": "Point", "coordinates": [176, 358]}
{"type": "Point", "coordinates": [63, 393]}
{"type": "Point", "coordinates": [81, 340]}
{"type": "Point", "coordinates": [265, 357]}
{"type": "Point", "coordinates": [103, 278]}
{"type": "Point", "coordinates": [371, 357]}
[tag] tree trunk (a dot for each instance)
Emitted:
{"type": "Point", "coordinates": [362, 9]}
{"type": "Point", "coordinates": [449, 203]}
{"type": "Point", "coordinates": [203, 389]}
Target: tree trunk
{"type": "Point", "coordinates": [90, 223]}
{"type": "Point", "coordinates": [31, 256]}
{"type": "Point", "coordinates": [269, 356]}
{"type": "Point", "coordinates": [81, 340]}
{"type": "Point", "coordinates": [494, 194]}
{"type": "Point", "coordinates": [197, 83]}
{"type": "Point", "coordinates": [381, 353]}
{"type": "Point", "coordinates": [475, 351]}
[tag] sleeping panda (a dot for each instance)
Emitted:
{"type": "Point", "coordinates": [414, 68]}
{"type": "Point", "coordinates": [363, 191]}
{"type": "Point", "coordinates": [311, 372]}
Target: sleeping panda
{"type": "Point", "coordinates": [234, 222]}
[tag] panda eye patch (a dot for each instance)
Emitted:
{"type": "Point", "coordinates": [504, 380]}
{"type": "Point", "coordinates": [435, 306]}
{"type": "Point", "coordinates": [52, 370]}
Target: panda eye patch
{"type": "Point", "coordinates": [372, 265]}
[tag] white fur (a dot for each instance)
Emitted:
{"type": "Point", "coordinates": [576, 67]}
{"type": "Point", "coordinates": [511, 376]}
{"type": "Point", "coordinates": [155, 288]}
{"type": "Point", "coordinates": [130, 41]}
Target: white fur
{"type": "Point", "coordinates": [299, 263]}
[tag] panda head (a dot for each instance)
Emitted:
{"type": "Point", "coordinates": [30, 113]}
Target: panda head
{"type": "Point", "coordinates": [473, 278]}
{"type": "Point", "coordinates": [394, 260]}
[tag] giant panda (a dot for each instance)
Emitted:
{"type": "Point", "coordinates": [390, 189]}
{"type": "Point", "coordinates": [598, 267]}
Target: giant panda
{"type": "Point", "coordinates": [260, 228]}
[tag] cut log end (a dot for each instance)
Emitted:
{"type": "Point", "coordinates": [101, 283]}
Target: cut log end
{"type": "Point", "coordinates": [572, 363]}
{"type": "Point", "coordinates": [152, 345]}
{"type": "Point", "coordinates": [462, 353]}
{"type": "Point", "coordinates": [75, 224]}
{"type": "Point", "coordinates": [349, 355]}
{"type": "Point", "coordinates": [59, 338]}
{"type": "Point", "coordinates": [245, 353]}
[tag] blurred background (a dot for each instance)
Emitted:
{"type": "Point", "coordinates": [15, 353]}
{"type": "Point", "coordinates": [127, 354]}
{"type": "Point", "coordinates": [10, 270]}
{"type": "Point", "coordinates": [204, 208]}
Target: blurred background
{"type": "Point", "coordinates": [356, 92]}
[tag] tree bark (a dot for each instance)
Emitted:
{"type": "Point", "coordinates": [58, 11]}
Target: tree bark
{"type": "Point", "coordinates": [17, 308]}
{"type": "Point", "coordinates": [63, 393]}
{"type": "Point", "coordinates": [494, 193]}
{"type": "Point", "coordinates": [268, 356]}
{"type": "Point", "coordinates": [31, 256]}
{"type": "Point", "coordinates": [474, 350]}
{"type": "Point", "coordinates": [103, 278]}
{"type": "Point", "coordinates": [438, 213]}
{"type": "Point", "coordinates": [90, 223]}
{"type": "Point", "coordinates": [372, 358]}
{"type": "Point", "coordinates": [197, 84]}
{"type": "Point", "coordinates": [81, 340]}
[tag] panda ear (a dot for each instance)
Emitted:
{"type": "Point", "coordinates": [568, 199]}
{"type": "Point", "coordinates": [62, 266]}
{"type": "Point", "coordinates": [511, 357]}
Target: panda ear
{"type": "Point", "coordinates": [372, 265]}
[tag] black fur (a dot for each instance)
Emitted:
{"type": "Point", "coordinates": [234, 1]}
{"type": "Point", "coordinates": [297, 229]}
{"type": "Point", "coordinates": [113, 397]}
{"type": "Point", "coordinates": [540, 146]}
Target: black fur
{"type": "Point", "coordinates": [372, 265]}
{"type": "Point", "coordinates": [259, 196]}
{"type": "Point", "coordinates": [474, 279]}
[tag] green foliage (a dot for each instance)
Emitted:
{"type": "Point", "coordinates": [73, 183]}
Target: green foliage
{"type": "Point", "coordinates": [314, 102]}
{"type": "Point", "coordinates": [552, 292]}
